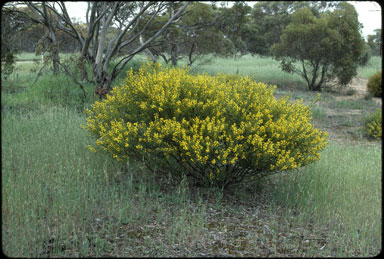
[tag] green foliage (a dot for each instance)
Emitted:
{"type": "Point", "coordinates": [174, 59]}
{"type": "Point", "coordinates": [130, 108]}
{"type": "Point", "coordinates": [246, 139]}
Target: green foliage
{"type": "Point", "coordinates": [374, 84]}
{"type": "Point", "coordinates": [372, 67]}
{"type": "Point", "coordinates": [271, 17]}
{"type": "Point", "coordinates": [373, 125]}
{"type": "Point", "coordinates": [25, 95]}
{"type": "Point", "coordinates": [234, 23]}
{"type": "Point", "coordinates": [9, 65]}
{"type": "Point", "coordinates": [8, 51]}
{"type": "Point", "coordinates": [335, 200]}
{"type": "Point", "coordinates": [366, 55]}
{"type": "Point", "coordinates": [375, 42]}
{"type": "Point", "coordinates": [326, 47]}
{"type": "Point", "coordinates": [194, 36]}
{"type": "Point", "coordinates": [217, 130]}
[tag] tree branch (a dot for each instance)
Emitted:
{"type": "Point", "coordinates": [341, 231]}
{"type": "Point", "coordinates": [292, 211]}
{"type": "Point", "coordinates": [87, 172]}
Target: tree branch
{"type": "Point", "coordinates": [122, 63]}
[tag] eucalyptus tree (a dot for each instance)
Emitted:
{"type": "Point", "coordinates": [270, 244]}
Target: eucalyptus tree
{"type": "Point", "coordinates": [322, 48]}
{"type": "Point", "coordinates": [194, 37]}
{"type": "Point", "coordinates": [117, 19]}
{"type": "Point", "coordinates": [125, 16]}
{"type": "Point", "coordinates": [271, 17]}
{"type": "Point", "coordinates": [235, 24]}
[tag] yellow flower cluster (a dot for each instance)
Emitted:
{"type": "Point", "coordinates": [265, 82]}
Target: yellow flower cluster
{"type": "Point", "coordinates": [217, 128]}
{"type": "Point", "coordinates": [373, 127]}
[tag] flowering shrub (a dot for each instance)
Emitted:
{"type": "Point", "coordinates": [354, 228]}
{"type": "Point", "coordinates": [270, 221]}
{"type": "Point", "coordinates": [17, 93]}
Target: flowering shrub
{"type": "Point", "coordinates": [215, 129]}
{"type": "Point", "coordinates": [373, 125]}
{"type": "Point", "coordinates": [374, 84]}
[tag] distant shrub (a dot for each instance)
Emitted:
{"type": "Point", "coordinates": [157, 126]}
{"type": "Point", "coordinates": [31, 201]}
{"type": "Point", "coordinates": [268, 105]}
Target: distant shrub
{"type": "Point", "coordinates": [217, 130]}
{"type": "Point", "coordinates": [373, 125]}
{"type": "Point", "coordinates": [8, 62]}
{"type": "Point", "coordinates": [374, 84]}
{"type": "Point", "coordinates": [366, 56]}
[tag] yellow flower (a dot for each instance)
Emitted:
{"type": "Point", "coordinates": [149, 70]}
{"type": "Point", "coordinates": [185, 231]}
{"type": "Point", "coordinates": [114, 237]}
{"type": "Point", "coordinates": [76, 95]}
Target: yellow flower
{"type": "Point", "coordinates": [91, 148]}
{"type": "Point", "coordinates": [205, 122]}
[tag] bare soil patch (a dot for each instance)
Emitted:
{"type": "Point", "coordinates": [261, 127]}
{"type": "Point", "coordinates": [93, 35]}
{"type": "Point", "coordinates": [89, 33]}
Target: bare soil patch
{"type": "Point", "coordinates": [344, 123]}
{"type": "Point", "coordinates": [359, 85]}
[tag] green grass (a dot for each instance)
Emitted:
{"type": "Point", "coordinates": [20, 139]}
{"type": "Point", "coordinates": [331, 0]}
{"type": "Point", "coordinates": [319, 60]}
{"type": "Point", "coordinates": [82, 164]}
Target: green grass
{"type": "Point", "coordinates": [353, 104]}
{"type": "Point", "coordinates": [266, 69]}
{"type": "Point", "coordinates": [22, 91]}
{"type": "Point", "coordinates": [343, 192]}
{"type": "Point", "coordinates": [68, 201]}
{"type": "Point", "coordinates": [263, 69]}
{"type": "Point", "coordinates": [259, 68]}
{"type": "Point", "coordinates": [48, 91]}
{"type": "Point", "coordinates": [59, 199]}
{"type": "Point", "coordinates": [318, 113]}
{"type": "Point", "coordinates": [374, 65]}
{"type": "Point", "coordinates": [32, 56]}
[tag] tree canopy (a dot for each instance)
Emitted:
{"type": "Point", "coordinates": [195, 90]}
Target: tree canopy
{"type": "Point", "coordinates": [319, 40]}
{"type": "Point", "coordinates": [193, 36]}
{"type": "Point", "coordinates": [375, 42]}
{"type": "Point", "coordinates": [321, 48]}
{"type": "Point", "coordinates": [110, 27]}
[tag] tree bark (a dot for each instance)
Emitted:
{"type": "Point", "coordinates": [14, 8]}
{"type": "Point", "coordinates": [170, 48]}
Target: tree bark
{"type": "Point", "coordinates": [148, 51]}
{"type": "Point", "coordinates": [174, 54]}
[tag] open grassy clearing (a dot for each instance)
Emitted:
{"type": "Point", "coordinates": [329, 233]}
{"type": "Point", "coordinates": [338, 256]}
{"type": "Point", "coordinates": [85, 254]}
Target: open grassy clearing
{"type": "Point", "coordinates": [59, 199]}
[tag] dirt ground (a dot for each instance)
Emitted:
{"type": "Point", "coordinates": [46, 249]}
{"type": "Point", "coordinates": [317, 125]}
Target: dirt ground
{"type": "Point", "coordinates": [343, 124]}
{"type": "Point", "coordinates": [360, 86]}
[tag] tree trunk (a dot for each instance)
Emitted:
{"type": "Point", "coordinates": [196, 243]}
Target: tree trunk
{"type": "Point", "coordinates": [103, 84]}
{"type": "Point", "coordinates": [53, 51]}
{"type": "Point", "coordinates": [147, 50]}
{"type": "Point", "coordinates": [82, 64]}
{"type": "Point", "coordinates": [53, 46]}
{"type": "Point", "coordinates": [174, 56]}
{"type": "Point", "coordinates": [190, 55]}
{"type": "Point", "coordinates": [55, 59]}
{"type": "Point", "coordinates": [95, 47]}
